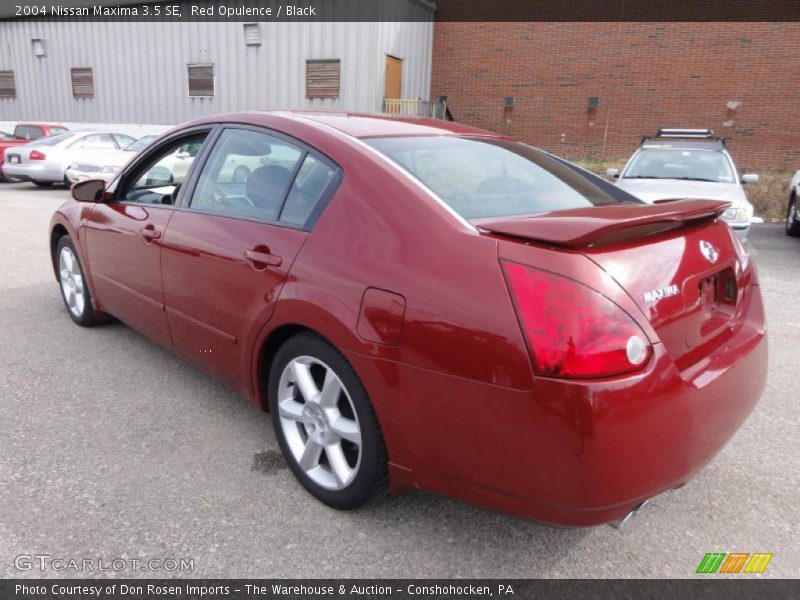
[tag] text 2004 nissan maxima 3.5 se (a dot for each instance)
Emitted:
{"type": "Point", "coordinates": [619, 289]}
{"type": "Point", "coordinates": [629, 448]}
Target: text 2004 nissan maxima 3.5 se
{"type": "Point", "coordinates": [425, 305]}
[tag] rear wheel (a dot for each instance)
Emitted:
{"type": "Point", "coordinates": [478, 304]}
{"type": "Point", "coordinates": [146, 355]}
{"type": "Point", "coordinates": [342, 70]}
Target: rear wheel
{"type": "Point", "coordinates": [792, 218]}
{"type": "Point", "coordinates": [325, 424]}
{"type": "Point", "coordinates": [74, 290]}
{"type": "Point", "coordinates": [43, 183]}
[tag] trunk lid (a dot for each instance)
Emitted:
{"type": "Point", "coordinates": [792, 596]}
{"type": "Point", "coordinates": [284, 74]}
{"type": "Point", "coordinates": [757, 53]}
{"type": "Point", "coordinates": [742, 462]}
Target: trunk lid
{"type": "Point", "coordinates": [677, 261]}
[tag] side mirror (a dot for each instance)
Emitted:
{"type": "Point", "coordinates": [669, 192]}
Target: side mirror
{"type": "Point", "coordinates": [612, 173]}
{"type": "Point", "coordinates": [749, 178]}
{"type": "Point", "coordinates": [92, 190]}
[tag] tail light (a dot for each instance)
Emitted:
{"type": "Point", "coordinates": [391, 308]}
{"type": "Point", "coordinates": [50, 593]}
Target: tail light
{"type": "Point", "coordinates": [572, 330]}
{"type": "Point", "coordinates": [36, 155]}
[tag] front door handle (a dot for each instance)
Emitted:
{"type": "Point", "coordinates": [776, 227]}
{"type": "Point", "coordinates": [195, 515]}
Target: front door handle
{"type": "Point", "coordinates": [262, 259]}
{"type": "Point", "coordinates": [150, 233]}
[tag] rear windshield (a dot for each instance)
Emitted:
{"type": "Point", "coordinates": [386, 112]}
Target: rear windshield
{"type": "Point", "coordinates": [481, 177]}
{"type": "Point", "coordinates": [52, 140]}
{"type": "Point", "coordinates": [677, 163]}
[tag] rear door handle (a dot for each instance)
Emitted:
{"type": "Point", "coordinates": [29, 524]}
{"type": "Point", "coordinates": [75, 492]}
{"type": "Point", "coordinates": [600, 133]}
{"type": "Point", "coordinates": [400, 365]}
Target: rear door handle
{"type": "Point", "coordinates": [150, 233]}
{"type": "Point", "coordinates": [262, 258]}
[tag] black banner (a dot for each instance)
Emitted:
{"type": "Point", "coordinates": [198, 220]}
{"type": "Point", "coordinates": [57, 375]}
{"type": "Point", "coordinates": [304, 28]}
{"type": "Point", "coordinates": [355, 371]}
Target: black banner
{"type": "Point", "coordinates": [405, 10]}
{"type": "Point", "coordinates": [712, 588]}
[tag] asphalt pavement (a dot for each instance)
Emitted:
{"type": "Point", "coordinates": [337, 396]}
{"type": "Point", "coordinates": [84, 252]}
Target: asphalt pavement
{"type": "Point", "coordinates": [112, 448]}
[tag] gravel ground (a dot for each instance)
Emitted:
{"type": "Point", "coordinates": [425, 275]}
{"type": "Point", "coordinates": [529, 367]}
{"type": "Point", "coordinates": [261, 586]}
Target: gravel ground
{"type": "Point", "coordinates": [113, 448]}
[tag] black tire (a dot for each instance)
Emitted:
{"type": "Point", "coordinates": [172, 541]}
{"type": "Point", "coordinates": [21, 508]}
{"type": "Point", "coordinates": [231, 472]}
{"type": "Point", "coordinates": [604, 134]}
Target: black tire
{"type": "Point", "coordinates": [87, 316]}
{"type": "Point", "coordinates": [792, 218]}
{"type": "Point", "coordinates": [67, 183]}
{"type": "Point", "coordinates": [370, 477]}
{"type": "Point", "coordinates": [43, 183]}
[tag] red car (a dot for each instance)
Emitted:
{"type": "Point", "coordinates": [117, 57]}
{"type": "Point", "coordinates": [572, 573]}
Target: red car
{"type": "Point", "coordinates": [426, 305]}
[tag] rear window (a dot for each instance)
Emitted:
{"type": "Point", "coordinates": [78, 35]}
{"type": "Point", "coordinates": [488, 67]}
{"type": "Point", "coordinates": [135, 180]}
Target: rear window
{"type": "Point", "coordinates": [52, 140]}
{"type": "Point", "coordinates": [28, 132]}
{"type": "Point", "coordinates": [481, 177]}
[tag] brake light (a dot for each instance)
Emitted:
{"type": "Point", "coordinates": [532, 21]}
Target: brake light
{"type": "Point", "coordinates": [36, 155]}
{"type": "Point", "coordinates": [572, 330]}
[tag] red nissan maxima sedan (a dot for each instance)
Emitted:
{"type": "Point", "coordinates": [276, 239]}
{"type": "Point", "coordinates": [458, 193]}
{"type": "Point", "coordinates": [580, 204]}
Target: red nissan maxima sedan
{"type": "Point", "coordinates": [425, 305]}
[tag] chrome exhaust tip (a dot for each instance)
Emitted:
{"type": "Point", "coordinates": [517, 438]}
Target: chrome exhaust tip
{"type": "Point", "coordinates": [620, 522]}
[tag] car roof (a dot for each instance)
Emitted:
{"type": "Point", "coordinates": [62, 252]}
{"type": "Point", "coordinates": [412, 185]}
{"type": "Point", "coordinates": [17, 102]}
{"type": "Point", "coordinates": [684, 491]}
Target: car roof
{"type": "Point", "coordinates": [359, 125]}
{"type": "Point", "coordinates": [668, 144]}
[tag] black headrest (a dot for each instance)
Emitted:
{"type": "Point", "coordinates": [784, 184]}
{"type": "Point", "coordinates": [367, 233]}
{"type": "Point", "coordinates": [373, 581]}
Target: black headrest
{"type": "Point", "coordinates": [265, 185]}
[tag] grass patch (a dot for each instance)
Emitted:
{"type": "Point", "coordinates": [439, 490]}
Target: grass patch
{"type": "Point", "coordinates": [770, 196]}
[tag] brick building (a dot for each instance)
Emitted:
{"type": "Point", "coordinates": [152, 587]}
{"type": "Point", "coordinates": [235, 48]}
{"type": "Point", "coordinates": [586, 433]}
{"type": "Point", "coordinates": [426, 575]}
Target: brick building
{"type": "Point", "coordinates": [588, 90]}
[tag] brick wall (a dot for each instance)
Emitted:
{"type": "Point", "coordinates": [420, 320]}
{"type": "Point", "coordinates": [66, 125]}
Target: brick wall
{"type": "Point", "coordinates": [646, 75]}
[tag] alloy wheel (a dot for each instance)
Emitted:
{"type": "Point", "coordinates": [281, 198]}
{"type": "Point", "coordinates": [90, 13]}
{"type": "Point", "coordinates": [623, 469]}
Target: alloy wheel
{"type": "Point", "coordinates": [792, 216]}
{"type": "Point", "coordinates": [71, 280]}
{"type": "Point", "coordinates": [319, 422]}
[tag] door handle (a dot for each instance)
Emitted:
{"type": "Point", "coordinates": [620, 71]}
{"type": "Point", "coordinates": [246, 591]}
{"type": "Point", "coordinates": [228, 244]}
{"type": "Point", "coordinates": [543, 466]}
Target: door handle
{"type": "Point", "coordinates": [149, 233]}
{"type": "Point", "coordinates": [259, 258]}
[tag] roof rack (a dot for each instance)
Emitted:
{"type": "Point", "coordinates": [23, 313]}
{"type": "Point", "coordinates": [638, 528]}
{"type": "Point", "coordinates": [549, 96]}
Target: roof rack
{"type": "Point", "coordinates": [686, 134]}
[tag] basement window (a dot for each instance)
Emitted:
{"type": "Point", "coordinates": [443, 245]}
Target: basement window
{"type": "Point", "coordinates": [201, 81]}
{"type": "Point", "coordinates": [82, 82]}
{"type": "Point", "coordinates": [8, 86]}
{"type": "Point", "coordinates": [252, 34]}
{"type": "Point", "coordinates": [322, 78]}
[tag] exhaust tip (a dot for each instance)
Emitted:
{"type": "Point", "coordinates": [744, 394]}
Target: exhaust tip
{"type": "Point", "coordinates": [620, 522]}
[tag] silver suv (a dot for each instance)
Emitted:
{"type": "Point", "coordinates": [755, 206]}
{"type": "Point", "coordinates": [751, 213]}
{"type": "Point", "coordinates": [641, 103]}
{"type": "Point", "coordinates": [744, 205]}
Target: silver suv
{"type": "Point", "coordinates": [688, 163]}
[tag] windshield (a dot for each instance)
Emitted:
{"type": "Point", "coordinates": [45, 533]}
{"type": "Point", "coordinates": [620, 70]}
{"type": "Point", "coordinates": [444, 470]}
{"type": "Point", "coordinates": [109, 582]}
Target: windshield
{"type": "Point", "coordinates": [674, 163]}
{"type": "Point", "coordinates": [481, 177]}
{"type": "Point", "coordinates": [52, 140]}
{"type": "Point", "coordinates": [141, 143]}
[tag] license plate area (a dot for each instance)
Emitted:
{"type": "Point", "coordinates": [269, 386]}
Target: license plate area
{"type": "Point", "coordinates": [712, 305]}
{"type": "Point", "coordinates": [14, 158]}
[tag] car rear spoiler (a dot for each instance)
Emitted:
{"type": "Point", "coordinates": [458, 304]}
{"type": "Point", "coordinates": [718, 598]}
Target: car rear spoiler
{"type": "Point", "coordinates": [589, 227]}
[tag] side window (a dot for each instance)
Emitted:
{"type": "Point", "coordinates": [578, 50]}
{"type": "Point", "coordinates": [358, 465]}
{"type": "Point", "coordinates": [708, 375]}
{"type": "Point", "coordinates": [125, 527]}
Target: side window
{"type": "Point", "coordinates": [123, 141]}
{"type": "Point", "coordinates": [95, 141]}
{"type": "Point", "coordinates": [312, 181]}
{"type": "Point", "coordinates": [246, 175]}
{"type": "Point", "coordinates": [157, 181]}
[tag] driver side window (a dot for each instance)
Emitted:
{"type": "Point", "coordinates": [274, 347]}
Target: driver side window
{"type": "Point", "coordinates": [158, 180]}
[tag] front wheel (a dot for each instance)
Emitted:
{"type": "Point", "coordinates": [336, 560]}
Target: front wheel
{"type": "Point", "coordinates": [325, 424]}
{"type": "Point", "coordinates": [72, 282]}
{"type": "Point", "coordinates": [792, 218]}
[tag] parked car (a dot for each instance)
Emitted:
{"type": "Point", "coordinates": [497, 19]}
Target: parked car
{"type": "Point", "coordinates": [427, 304]}
{"type": "Point", "coordinates": [45, 161]}
{"type": "Point", "coordinates": [106, 165]}
{"type": "Point", "coordinates": [792, 216]}
{"type": "Point", "coordinates": [25, 133]}
{"type": "Point", "coordinates": [688, 163]}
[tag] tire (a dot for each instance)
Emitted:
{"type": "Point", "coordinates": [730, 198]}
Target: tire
{"type": "Point", "coordinates": [67, 183]}
{"type": "Point", "coordinates": [43, 183]}
{"type": "Point", "coordinates": [792, 218]}
{"type": "Point", "coordinates": [240, 174]}
{"type": "Point", "coordinates": [333, 445]}
{"type": "Point", "coordinates": [71, 281]}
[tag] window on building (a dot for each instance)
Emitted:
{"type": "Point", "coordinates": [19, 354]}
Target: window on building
{"type": "Point", "coordinates": [8, 86]}
{"type": "Point", "coordinates": [201, 81]}
{"type": "Point", "coordinates": [252, 34]}
{"type": "Point", "coordinates": [82, 82]}
{"type": "Point", "coordinates": [322, 78]}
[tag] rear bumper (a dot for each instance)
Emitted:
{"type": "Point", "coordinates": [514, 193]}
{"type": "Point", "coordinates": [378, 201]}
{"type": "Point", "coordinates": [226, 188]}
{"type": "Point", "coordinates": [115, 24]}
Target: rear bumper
{"type": "Point", "coordinates": [32, 172]}
{"type": "Point", "coordinates": [568, 453]}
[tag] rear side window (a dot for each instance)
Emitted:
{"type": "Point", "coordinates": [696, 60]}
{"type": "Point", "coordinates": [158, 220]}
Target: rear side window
{"type": "Point", "coordinates": [313, 180]}
{"type": "Point", "coordinates": [483, 177]}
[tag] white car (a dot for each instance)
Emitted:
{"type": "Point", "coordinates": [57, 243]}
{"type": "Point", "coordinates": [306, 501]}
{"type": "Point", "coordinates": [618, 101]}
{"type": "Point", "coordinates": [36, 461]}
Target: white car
{"type": "Point", "coordinates": [45, 161]}
{"type": "Point", "coordinates": [792, 215]}
{"type": "Point", "coordinates": [107, 165]}
{"type": "Point", "coordinates": [688, 163]}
